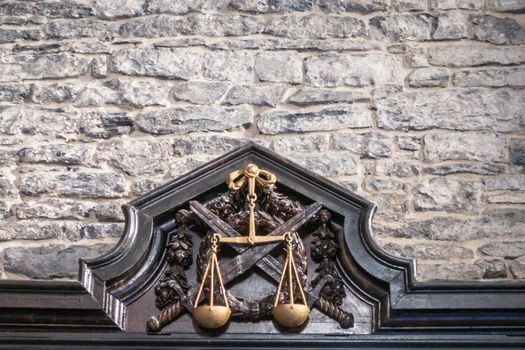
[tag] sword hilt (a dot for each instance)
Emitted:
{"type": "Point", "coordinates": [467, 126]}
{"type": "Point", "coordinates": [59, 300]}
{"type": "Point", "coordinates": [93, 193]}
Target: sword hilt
{"type": "Point", "coordinates": [345, 319]}
{"type": "Point", "coordinates": [156, 323]}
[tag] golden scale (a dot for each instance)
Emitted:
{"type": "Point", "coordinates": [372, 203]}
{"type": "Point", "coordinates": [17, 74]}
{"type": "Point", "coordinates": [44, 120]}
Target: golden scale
{"type": "Point", "coordinates": [288, 313]}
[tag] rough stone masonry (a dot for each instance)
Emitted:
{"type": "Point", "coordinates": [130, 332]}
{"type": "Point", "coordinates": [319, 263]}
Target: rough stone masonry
{"type": "Point", "coordinates": [417, 105]}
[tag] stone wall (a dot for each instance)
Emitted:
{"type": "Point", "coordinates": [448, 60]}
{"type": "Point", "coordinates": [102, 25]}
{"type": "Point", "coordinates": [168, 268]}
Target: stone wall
{"type": "Point", "coordinates": [417, 105]}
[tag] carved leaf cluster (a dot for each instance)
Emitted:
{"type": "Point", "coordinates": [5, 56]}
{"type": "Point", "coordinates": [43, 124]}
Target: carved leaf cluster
{"type": "Point", "coordinates": [324, 250]}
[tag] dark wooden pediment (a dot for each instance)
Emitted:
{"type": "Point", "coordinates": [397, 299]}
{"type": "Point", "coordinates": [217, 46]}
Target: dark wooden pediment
{"type": "Point", "coordinates": [116, 295]}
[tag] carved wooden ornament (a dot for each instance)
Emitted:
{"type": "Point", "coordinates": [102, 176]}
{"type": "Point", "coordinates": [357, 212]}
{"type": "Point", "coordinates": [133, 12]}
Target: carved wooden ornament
{"type": "Point", "coordinates": [251, 250]}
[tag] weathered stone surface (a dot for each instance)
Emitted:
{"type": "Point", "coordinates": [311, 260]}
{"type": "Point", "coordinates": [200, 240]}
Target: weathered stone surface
{"type": "Point", "coordinates": [161, 62]}
{"type": "Point", "coordinates": [456, 4]}
{"type": "Point", "coordinates": [109, 211]}
{"type": "Point", "coordinates": [497, 30]}
{"type": "Point", "coordinates": [181, 42]}
{"type": "Point", "coordinates": [449, 271]}
{"type": "Point", "coordinates": [507, 198]}
{"type": "Point", "coordinates": [78, 76]}
{"type": "Point", "coordinates": [66, 9]}
{"type": "Point", "coordinates": [279, 67]}
{"type": "Point", "coordinates": [316, 26]}
{"type": "Point", "coordinates": [469, 4]}
{"type": "Point", "coordinates": [384, 184]}
{"type": "Point", "coordinates": [34, 120]}
{"type": "Point", "coordinates": [260, 95]}
{"type": "Point", "coordinates": [408, 143]}
{"type": "Point", "coordinates": [311, 96]}
{"type": "Point", "coordinates": [8, 188]}
{"type": "Point", "coordinates": [102, 230]}
{"type": "Point", "coordinates": [327, 163]}
{"type": "Point", "coordinates": [447, 195]}
{"type": "Point", "coordinates": [30, 67]}
{"type": "Point", "coordinates": [54, 208]}
{"type": "Point", "coordinates": [15, 8]}
{"type": "Point", "coordinates": [82, 28]}
{"type": "Point", "coordinates": [142, 93]}
{"type": "Point", "coordinates": [143, 186]}
{"type": "Point", "coordinates": [505, 182]}
{"type": "Point", "coordinates": [136, 157]}
{"type": "Point", "coordinates": [391, 206]}
{"type": "Point", "coordinates": [517, 268]}
{"type": "Point", "coordinates": [507, 250]}
{"type": "Point", "coordinates": [363, 6]}
{"type": "Point", "coordinates": [50, 261]}
{"type": "Point", "coordinates": [181, 166]}
{"type": "Point", "coordinates": [155, 26]}
{"type": "Point", "coordinates": [410, 5]}
{"type": "Point", "coordinates": [506, 5]}
{"type": "Point", "coordinates": [14, 93]}
{"type": "Point", "coordinates": [268, 6]}
{"type": "Point", "coordinates": [277, 44]}
{"type": "Point", "coordinates": [207, 24]}
{"type": "Point", "coordinates": [194, 118]}
{"type": "Point", "coordinates": [489, 147]}
{"type": "Point", "coordinates": [5, 210]}
{"type": "Point", "coordinates": [507, 223]}
{"type": "Point", "coordinates": [417, 58]}
{"type": "Point", "coordinates": [302, 143]}
{"type": "Point", "coordinates": [230, 66]}
{"type": "Point", "coordinates": [38, 230]}
{"type": "Point", "coordinates": [276, 122]}
{"type": "Point", "coordinates": [201, 92]}
{"type": "Point", "coordinates": [517, 153]}
{"type": "Point", "coordinates": [205, 144]}
{"type": "Point", "coordinates": [79, 46]}
{"type": "Point", "coordinates": [465, 168]}
{"type": "Point", "coordinates": [396, 168]}
{"type": "Point", "coordinates": [54, 93]}
{"type": "Point", "coordinates": [352, 69]}
{"type": "Point", "coordinates": [222, 25]}
{"type": "Point", "coordinates": [99, 67]}
{"type": "Point", "coordinates": [402, 27]}
{"type": "Point", "coordinates": [138, 93]}
{"type": "Point", "coordinates": [429, 251]}
{"type": "Point", "coordinates": [105, 125]}
{"type": "Point", "coordinates": [428, 77]}
{"type": "Point", "coordinates": [73, 9]}
{"type": "Point", "coordinates": [81, 184]}
{"type": "Point", "coordinates": [499, 110]}
{"type": "Point", "coordinates": [56, 153]}
{"type": "Point", "coordinates": [17, 20]}
{"type": "Point", "coordinates": [510, 220]}
{"type": "Point", "coordinates": [10, 141]}
{"type": "Point", "coordinates": [451, 25]}
{"type": "Point", "coordinates": [180, 7]}
{"type": "Point", "coordinates": [491, 78]}
{"type": "Point", "coordinates": [11, 35]}
{"type": "Point", "coordinates": [472, 55]}
{"type": "Point", "coordinates": [351, 184]}
{"type": "Point", "coordinates": [119, 8]}
{"type": "Point", "coordinates": [8, 157]}
{"type": "Point", "coordinates": [494, 268]}
{"type": "Point", "coordinates": [367, 145]}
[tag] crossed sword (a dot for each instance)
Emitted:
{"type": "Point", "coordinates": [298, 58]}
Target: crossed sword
{"type": "Point", "coordinates": [257, 255]}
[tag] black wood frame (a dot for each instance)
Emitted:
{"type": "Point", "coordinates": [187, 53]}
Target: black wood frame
{"type": "Point", "coordinates": [92, 313]}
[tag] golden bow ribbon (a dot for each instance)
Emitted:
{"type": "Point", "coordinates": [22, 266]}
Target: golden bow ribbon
{"type": "Point", "coordinates": [237, 179]}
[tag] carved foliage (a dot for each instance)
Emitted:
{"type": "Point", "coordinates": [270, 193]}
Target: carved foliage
{"type": "Point", "coordinates": [273, 210]}
{"type": "Point", "coordinates": [324, 250]}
